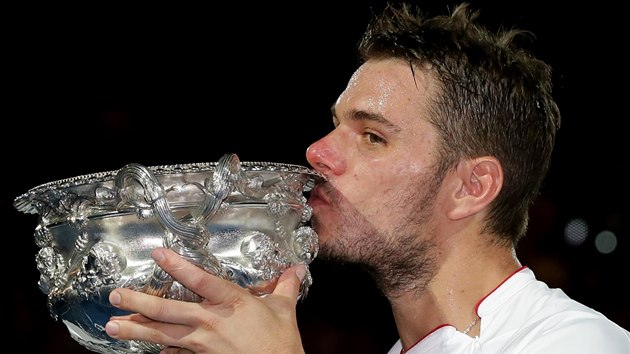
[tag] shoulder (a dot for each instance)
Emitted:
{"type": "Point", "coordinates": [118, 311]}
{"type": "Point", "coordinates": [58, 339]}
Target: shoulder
{"type": "Point", "coordinates": [525, 315]}
{"type": "Point", "coordinates": [556, 323]}
{"type": "Point", "coordinates": [573, 333]}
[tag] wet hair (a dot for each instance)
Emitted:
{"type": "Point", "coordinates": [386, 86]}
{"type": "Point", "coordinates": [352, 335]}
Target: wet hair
{"type": "Point", "coordinates": [494, 99]}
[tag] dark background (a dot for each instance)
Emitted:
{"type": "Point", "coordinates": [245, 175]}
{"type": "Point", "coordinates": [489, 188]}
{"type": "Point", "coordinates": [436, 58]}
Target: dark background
{"type": "Point", "coordinates": [92, 88]}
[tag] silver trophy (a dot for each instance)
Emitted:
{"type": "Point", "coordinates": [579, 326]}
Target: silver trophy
{"type": "Point", "coordinates": [242, 221]}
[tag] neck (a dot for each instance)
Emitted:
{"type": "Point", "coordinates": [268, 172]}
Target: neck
{"type": "Point", "coordinates": [466, 274]}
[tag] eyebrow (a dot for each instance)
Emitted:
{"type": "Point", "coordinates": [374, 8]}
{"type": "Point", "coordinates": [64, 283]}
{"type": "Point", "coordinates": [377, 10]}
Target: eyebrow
{"type": "Point", "coordinates": [360, 115]}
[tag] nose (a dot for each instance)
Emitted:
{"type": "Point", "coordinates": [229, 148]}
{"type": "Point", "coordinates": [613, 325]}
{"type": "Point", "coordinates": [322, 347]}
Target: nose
{"type": "Point", "coordinates": [324, 158]}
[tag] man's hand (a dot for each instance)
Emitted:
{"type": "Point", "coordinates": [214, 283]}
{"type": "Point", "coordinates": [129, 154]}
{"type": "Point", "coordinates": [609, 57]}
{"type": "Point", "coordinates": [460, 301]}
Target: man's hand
{"type": "Point", "coordinates": [229, 320]}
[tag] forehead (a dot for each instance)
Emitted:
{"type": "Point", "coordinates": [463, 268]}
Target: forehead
{"type": "Point", "coordinates": [388, 87]}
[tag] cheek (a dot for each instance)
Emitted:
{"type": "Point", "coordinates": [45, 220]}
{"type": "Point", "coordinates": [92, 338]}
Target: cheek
{"type": "Point", "coordinates": [369, 187]}
{"type": "Point", "coordinates": [379, 184]}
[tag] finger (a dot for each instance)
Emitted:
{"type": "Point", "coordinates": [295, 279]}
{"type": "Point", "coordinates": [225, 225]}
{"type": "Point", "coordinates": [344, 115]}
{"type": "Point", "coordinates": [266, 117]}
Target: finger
{"type": "Point", "coordinates": [136, 317]}
{"type": "Point", "coordinates": [213, 288]}
{"type": "Point", "coordinates": [149, 307]}
{"type": "Point", "coordinates": [167, 334]}
{"type": "Point", "coordinates": [174, 350]}
{"type": "Point", "coordinates": [290, 282]}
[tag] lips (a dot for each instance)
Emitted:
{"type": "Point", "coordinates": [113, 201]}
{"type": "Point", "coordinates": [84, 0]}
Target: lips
{"type": "Point", "coordinates": [317, 197]}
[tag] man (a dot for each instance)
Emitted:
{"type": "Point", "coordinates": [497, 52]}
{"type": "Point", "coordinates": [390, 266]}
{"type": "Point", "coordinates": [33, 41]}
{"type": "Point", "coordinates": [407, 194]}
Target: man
{"type": "Point", "coordinates": [442, 139]}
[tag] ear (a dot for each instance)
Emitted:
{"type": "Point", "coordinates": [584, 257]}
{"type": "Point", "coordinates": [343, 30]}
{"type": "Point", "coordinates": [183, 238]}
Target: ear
{"type": "Point", "coordinates": [478, 182]}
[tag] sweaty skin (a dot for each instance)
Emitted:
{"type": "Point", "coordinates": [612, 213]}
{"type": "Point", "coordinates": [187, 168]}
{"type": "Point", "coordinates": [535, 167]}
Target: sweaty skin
{"type": "Point", "coordinates": [385, 207]}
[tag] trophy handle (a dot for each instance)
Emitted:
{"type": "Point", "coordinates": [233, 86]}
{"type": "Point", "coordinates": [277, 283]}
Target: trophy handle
{"type": "Point", "coordinates": [190, 234]}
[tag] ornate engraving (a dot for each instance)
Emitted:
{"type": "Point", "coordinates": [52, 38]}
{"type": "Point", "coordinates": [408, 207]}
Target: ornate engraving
{"type": "Point", "coordinates": [243, 221]}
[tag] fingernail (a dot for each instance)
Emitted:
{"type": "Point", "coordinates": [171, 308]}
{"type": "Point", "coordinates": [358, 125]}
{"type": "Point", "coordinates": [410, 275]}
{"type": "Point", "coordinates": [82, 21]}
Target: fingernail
{"type": "Point", "coordinates": [114, 298]}
{"type": "Point", "coordinates": [112, 328]}
{"type": "Point", "coordinates": [301, 272]}
{"type": "Point", "coordinates": [158, 255]}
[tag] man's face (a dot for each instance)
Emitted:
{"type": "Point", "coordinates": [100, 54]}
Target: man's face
{"type": "Point", "coordinates": [379, 161]}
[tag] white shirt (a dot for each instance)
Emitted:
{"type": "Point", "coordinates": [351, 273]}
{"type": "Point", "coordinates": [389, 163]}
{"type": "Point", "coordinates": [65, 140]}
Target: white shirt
{"type": "Point", "coordinates": [523, 315]}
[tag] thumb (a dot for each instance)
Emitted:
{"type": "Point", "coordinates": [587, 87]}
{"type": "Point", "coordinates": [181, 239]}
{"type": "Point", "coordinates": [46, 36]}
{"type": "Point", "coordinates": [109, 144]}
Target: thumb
{"type": "Point", "coordinates": [290, 281]}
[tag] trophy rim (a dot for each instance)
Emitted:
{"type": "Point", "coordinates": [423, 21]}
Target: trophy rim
{"type": "Point", "coordinates": [23, 201]}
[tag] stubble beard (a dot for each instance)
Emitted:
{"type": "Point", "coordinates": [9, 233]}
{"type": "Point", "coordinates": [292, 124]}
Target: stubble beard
{"type": "Point", "coordinates": [401, 259]}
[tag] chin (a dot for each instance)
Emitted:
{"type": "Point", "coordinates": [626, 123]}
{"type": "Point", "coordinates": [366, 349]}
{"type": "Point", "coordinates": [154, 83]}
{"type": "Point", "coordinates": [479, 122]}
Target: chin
{"type": "Point", "coordinates": [323, 238]}
{"type": "Point", "coordinates": [319, 230]}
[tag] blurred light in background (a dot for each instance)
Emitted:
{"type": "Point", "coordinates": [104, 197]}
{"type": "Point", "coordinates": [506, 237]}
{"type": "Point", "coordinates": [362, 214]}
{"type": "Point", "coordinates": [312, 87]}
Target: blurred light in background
{"type": "Point", "coordinates": [576, 232]}
{"type": "Point", "coordinates": [606, 242]}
